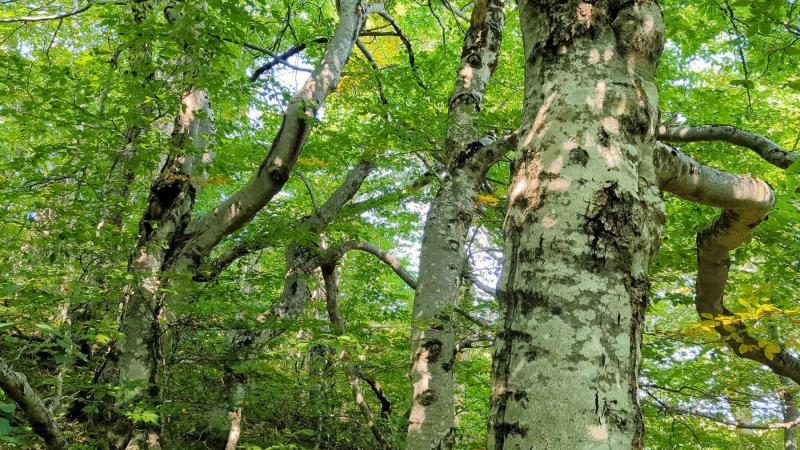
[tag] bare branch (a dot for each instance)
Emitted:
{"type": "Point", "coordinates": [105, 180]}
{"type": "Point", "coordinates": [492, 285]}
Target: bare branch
{"type": "Point", "coordinates": [730, 423]}
{"type": "Point", "coordinates": [386, 405]}
{"type": "Point", "coordinates": [472, 318]}
{"type": "Point", "coordinates": [474, 342]}
{"type": "Point", "coordinates": [16, 386]}
{"type": "Point", "coordinates": [281, 58]}
{"type": "Point", "coordinates": [763, 146]}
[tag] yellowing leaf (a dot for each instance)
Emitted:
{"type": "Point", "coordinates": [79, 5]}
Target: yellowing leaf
{"type": "Point", "coordinates": [310, 162]}
{"type": "Point", "coordinates": [770, 350]}
{"type": "Point", "coordinates": [488, 199]}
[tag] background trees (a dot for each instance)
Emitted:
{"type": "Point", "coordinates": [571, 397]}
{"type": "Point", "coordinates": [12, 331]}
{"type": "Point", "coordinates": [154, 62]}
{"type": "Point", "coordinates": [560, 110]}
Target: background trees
{"type": "Point", "coordinates": [86, 125]}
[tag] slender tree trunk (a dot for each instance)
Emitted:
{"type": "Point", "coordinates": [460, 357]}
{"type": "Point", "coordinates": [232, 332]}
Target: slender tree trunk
{"type": "Point", "coordinates": [582, 226]}
{"type": "Point", "coordinates": [432, 419]}
{"type": "Point", "coordinates": [790, 413]}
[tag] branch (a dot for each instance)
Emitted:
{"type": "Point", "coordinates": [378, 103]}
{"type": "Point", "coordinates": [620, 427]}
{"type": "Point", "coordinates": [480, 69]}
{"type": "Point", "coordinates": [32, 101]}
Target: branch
{"type": "Point", "coordinates": [203, 233]}
{"type": "Point", "coordinates": [474, 319]}
{"type": "Point", "coordinates": [473, 341]}
{"type": "Point", "coordinates": [746, 202]}
{"type": "Point", "coordinates": [16, 386]}
{"type": "Point", "coordinates": [315, 223]}
{"type": "Point", "coordinates": [381, 254]}
{"type": "Point", "coordinates": [57, 16]}
{"type": "Point", "coordinates": [731, 423]}
{"type": "Point", "coordinates": [763, 146]}
{"type": "Point", "coordinates": [381, 11]}
{"type": "Point", "coordinates": [386, 405]}
{"type": "Point", "coordinates": [281, 58]}
{"type": "Point", "coordinates": [375, 69]}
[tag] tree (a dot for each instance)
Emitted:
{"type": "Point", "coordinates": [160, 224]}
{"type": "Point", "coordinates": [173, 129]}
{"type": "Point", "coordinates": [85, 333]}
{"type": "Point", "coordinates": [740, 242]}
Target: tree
{"type": "Point", "coordinates": [184, 185]}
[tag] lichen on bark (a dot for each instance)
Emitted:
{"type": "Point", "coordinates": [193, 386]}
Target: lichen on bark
{"type": "Point", "coordinates": [582, 226]}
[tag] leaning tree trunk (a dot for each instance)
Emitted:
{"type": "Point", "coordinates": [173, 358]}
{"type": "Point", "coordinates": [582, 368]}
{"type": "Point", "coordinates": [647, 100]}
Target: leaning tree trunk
{"type": "Point", "coordinates": [583, 224]}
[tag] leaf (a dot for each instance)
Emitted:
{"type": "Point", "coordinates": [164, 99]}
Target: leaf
{"type": "Point", "coordinates": [8, 407]}
{"type": "Point", "coordinates": [488, 199]}
{"type": "Point", "coordinates": [747, 84]}
{"type": "Point", "coordinates": [770, 350]}
{"type": "Point", "coordinates": [47, 329]}
{"type": "Point", "coordinates": [4, 426]}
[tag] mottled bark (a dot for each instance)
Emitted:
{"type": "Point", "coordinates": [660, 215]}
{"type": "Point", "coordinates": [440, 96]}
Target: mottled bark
{"type": "Point", "coordinates": [171, 199]}
{"type": "Point", "coordinates": [583, 223]}
{"type": "Point", "coordinates": [432, 419]}
{"type": "Point", "coordinates": [16, 387]}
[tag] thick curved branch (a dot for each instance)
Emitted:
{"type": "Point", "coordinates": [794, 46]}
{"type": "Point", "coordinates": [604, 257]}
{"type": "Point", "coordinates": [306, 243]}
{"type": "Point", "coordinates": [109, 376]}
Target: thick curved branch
{"type": "Point", "coordinates": [763, 146]}
{"type": "Point", "coordinates": [16, 387]}
{"type": "Point", "coordinates": [746, 202]}
{"type": "Point", "coordinates": [203, 233]}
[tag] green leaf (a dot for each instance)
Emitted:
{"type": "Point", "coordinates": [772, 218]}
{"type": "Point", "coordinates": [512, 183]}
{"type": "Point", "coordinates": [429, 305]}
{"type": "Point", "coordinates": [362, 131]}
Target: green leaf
{"type": "Point", "coordinates": [8, 407]}
{"type": "Point", "coordinates": [47, 329]}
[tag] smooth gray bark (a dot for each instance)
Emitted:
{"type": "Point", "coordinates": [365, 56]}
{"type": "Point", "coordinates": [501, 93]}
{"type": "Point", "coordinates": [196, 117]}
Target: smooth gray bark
{"type": "Point", "coordinates": [790, 415]}
{"type": "Point", "coordinates": [583, 223]}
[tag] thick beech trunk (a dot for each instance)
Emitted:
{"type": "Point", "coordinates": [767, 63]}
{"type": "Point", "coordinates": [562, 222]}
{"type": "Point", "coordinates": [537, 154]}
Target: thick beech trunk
{"type": "Point", "coordinates": [432, 419]}
{"type": "Point", "coordinates": [583, 224]}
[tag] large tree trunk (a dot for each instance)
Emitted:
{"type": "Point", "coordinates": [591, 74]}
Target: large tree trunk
{"type": "Point", "coordinates": [432, 419]}
{"type": "Point", "coordinates": [583, 224]}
